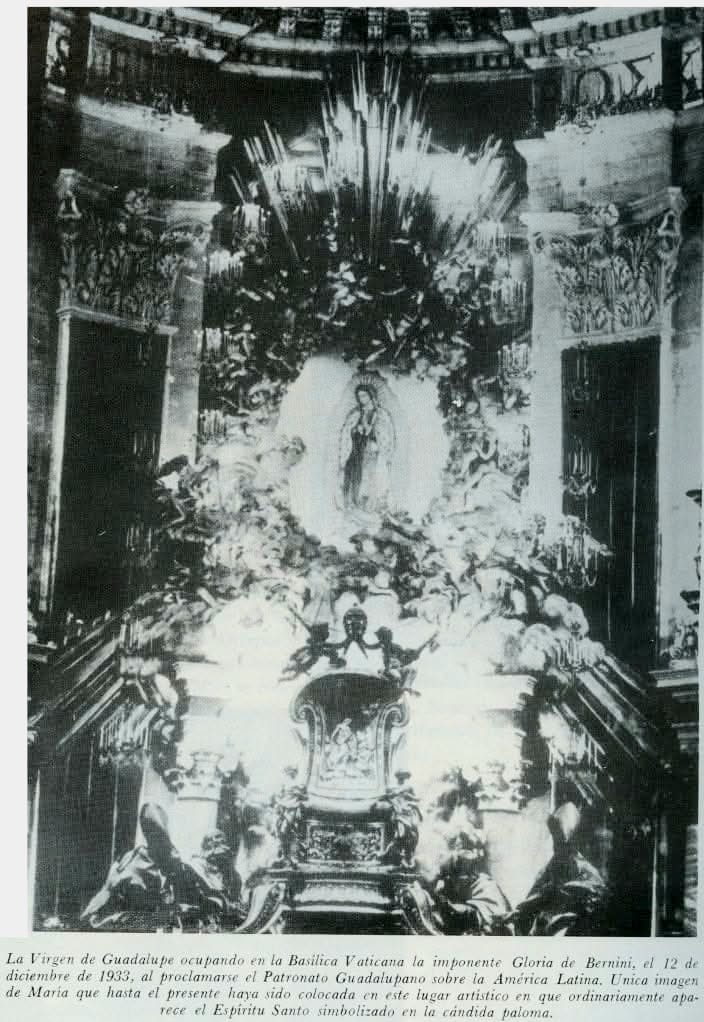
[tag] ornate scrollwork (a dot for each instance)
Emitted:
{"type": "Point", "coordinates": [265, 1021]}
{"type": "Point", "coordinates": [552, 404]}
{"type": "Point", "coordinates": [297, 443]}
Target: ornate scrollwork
{"type": "Point", "coordinates": [267, 902]}
{"type": "Point", "coordinates": [418, 910]}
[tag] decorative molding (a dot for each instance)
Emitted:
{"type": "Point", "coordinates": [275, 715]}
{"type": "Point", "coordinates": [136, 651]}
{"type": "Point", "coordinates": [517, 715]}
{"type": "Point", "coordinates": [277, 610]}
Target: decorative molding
{"type": "Point", "coordinates": [607, 23]}
{"type": "Point", "coordinates": [376, 18]}
{"type": "Point", "coordinates": [287, 23]}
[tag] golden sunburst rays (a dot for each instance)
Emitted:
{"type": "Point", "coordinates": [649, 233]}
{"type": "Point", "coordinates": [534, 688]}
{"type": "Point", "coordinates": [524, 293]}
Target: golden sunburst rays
{"type": "Point", "coordinates": [382, 179]}
{"type": "Point", "coordinates": [285, 186]}
{"type": "Point", "coordinates": [374, 156]}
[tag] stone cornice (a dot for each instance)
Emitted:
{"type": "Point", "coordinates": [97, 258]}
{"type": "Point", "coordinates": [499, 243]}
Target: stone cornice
{"type": "Point", "coordinates": [447, 48]}
{"type": "Point", "coordinates": [606, 23]}
{"type": "Point", "coordinates": [243, 69]}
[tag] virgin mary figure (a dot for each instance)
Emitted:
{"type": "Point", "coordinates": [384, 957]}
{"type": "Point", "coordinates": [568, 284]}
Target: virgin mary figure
{"type": "Point", "coordinates": [366, 451]}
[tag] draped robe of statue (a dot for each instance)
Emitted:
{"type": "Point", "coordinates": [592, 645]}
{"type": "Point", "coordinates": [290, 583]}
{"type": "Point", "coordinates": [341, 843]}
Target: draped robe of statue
{"type": "Point", "coordinates": [151, 888]}
{"type": "Point", "coordinates": [569, 896]}
{"type": "Point", "coordinates": [366, 450]}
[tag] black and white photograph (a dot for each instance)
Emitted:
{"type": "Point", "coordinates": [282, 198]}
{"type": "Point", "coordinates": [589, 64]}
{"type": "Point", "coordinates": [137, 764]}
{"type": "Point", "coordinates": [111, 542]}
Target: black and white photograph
{"type": "Point", "coordinates": [364, 470]}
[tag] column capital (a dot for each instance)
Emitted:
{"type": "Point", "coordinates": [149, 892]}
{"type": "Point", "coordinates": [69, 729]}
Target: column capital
{"type": "Point", "coordinates": [122, 251]}
{"type": "Point", "coordinates": [203, 778]}
{"type": "Point", "coordinates": [615, 266]}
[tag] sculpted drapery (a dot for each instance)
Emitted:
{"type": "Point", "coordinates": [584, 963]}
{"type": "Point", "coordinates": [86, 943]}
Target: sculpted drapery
{"type": "Point", "coordinates": [367, 446]}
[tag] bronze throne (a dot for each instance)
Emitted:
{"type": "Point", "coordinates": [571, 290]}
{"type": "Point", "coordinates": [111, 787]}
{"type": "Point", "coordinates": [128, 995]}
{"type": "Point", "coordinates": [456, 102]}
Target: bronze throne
{"type": "Point", "coordinates": [348, 825]}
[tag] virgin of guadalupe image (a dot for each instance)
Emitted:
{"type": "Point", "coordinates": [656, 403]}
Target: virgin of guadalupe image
{"type": "Point", "coordinates": [366, 451]}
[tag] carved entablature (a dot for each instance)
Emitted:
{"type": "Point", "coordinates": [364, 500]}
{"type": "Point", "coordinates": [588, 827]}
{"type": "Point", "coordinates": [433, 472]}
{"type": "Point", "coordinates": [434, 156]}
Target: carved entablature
{"type": "Point", "coordinates": [616, 270]}
{"type": "Point", "coordinates": [121, 254]}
